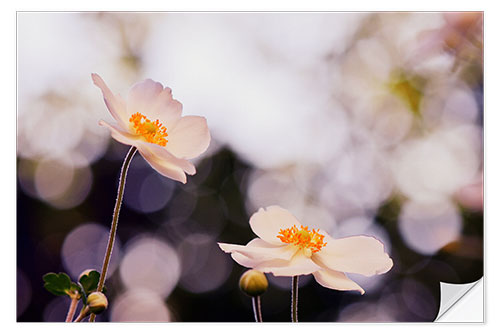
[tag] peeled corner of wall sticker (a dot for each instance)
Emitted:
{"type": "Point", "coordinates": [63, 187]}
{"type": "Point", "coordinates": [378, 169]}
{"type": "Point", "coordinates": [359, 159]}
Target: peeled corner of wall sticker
{"type": "Point", "coordinates": [462, 303]}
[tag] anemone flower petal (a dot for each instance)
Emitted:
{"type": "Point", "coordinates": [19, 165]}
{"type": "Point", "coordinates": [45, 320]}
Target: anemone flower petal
{"type": "Point", "coordinates": [266, 223]}
{"type": "Point", "coordinates": [157, 115]}
{"type": "Point", "coordinates": [359, 254]}
{"type": "Point", "coordinates": [189, 138]}
{"type": "Point", "coordinates": [120, 135]}
{"type": "Point", "coordinates": [155, 102]}
{"type": "Point", "coordinates": [298, 265]}
{"type": "Point", "coordinates": [336, 280]}
{"type": "Point", "coordinates": [115, 104]}
{"type": "Point", "coordinates": [164, 155]}
{"type": "Point", "coordinates": [260, 250]}
{"type": "Point", "coordinates": [166, 163]}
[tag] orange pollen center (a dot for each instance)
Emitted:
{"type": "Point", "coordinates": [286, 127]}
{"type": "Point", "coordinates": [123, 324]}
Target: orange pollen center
{"type": "Point", "coordinates": [303, 238]}
{"type": "Point", "coordinates": [151, 131]}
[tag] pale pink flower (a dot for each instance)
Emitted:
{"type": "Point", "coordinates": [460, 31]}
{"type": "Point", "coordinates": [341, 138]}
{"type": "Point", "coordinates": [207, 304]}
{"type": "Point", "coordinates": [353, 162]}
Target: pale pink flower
{"type": "Point", "coordinates": [286, 248]}
{"type": "Point", "coordinates": [150, 119]}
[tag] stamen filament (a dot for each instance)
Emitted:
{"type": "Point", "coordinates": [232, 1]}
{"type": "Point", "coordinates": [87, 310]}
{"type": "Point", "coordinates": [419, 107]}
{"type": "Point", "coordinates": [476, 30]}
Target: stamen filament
{"type": "Point", "coordinates": [151, 131]}
{"type": "Point", "coordinates": [305, 239]}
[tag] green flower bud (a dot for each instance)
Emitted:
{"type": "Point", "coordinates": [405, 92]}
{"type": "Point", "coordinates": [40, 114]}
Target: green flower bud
{"type": "Point", "coordinates": [97, 302]}
{"type": "Point", "coordinates": [253, 283]}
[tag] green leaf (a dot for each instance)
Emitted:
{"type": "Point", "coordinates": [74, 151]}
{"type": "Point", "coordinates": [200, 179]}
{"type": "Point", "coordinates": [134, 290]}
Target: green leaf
{"type": "Point", "coordinates": [89, 283]}
{"type": "Point", "coordinates": [57, 284]}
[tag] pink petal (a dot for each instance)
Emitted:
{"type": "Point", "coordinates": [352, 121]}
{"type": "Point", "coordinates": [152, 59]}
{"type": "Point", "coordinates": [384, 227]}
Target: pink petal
{"type": "Point", "coordinates": [266, 223]}
{"type": "Point", "coordinates": [259, 250]}
{"type": "Point", "coordinates": [336, 280]}
{"type": "Point", "coordinates": [115, 104]}
{"type": "Point", "coordinates": [360, 254]}
{"type": "Point", "coordinates": [189, 138]}
{"type": "Point", "coordinates": [152, 100]}
{"type": "Point", "coordinates": [165, 163]}
{"type": "Point", "coordinates": [244, 260]}
{"type": "Point", "coordinates": [298, 265]}
{"type": "Point", "coordinates": [120, 135]}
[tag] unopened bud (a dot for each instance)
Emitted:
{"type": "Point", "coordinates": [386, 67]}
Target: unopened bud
{"type": "Point", "coordinates": [253, 283]}
{"type": "Point", "coordinates": [97, 302]}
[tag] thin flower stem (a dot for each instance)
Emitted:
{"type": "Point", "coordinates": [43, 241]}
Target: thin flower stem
{"type": "Point", "coordinates": [72, 309]}
{"type": "Point", "coordinates": [82, 315]}
{"type": "Point", "coordinates": [256, 309]}
{"type": "Point", "coordinates": [295, 298]}
{"type": "Point", "coordinates": [114, 224]}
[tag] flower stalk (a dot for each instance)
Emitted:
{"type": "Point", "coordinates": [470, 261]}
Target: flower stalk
{"type": "Point", "coordinates": [295, 298]}
{"type": "Point", "coordinates": [256, 309]}
{"type": "Point", "coordinates": [71, 309]}
{"type": "Point", "coordinates": [84, 313]}
{"type": "Point", "coordinates": [114, 223]}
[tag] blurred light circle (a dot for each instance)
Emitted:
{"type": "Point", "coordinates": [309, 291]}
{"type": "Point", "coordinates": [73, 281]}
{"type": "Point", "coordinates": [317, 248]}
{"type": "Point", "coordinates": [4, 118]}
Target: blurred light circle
{"type": "Point", "coordinates": [360, 312]}
{"type": "Point", "coordinates": [151, 264]}
{"type": "Point", "coordinates": [91, 148]}
{"type": "Point", "coordinates": [52, 179]}
{"type": "Point", "coordinates": [26, 176]}
{"type": "Point", "coordinates": [56, 310]}
{"type": "Point", "coordinates": [392, 123]}
{"type": "Point", "coordinates": [471, 195]}
{"type": "Point", "coordinates": [84, 248]}
{"type": "Point", "coordinates": [460, 107]}
{"type": "Point", "coordinates": [155, 192]}
{"type": "Point", "coordinates": [48, 127]}
{"type": "Point", "coordinates": [272, 188]}
{"type": "Point", "coordinates": [182, 205]}
{"type": "Point", "coordinates": [362, 225]}
{"type": "Point", "coordinates": [204, 266]}
{"type": "Point", "coordinates": [56, 182]}
{"type": "Point", "coordinates": [78, 190]}
{"type": "Point", "coordinates": [147, 191]}
{"type": "Point", "coordinates": [139, 305]}
{"type": "Point", "coordinates": [419, 299]}
{"type": "Point", "coordinates": [449, 104]}
{"type": "Point", "coordinates": [23, 292]}
{"type": "Point", "coordinates": [352, 226]}
{"type": "Point", "coordinates": [427, 227]}
{"type": "Point", "coordinates": [315, 216]}
{"type": "Point", "coordinates": [359, 180]}
{"type": "Point", "coordinates": [437, 165]}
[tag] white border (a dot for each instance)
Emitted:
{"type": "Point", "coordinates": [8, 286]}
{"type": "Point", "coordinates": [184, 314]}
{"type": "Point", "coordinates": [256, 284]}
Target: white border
{"type": "Point", "coordinates": [8, 171]}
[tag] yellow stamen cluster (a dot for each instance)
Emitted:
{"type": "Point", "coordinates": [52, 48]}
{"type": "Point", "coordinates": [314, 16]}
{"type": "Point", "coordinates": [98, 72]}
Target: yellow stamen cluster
{"type": "Point", "coordinates": [303, 238]}
{"type": "Point", "coordinates": [151, 131]}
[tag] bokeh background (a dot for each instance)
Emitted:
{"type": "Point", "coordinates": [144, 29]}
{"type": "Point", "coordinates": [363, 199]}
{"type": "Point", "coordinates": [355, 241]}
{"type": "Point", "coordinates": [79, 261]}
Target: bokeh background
{"type": "Point", "coordinates": [358, 123]}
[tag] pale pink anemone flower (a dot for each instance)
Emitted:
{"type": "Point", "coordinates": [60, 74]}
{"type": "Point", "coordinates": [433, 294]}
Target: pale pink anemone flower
{"type": "Point", "coordinates": [150, 119]}
{"type": "Point", "coordinates": [286, 248]}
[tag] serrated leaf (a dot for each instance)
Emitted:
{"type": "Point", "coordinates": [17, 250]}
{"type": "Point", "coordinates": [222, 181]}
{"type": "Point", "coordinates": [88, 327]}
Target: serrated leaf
{"type": "Point", "coordinates": [57, 284]}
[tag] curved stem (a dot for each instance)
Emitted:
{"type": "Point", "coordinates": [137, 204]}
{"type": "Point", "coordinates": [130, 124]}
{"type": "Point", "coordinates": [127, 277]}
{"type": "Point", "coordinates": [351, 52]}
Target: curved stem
{"type": "Point", "coordinates": [82, 314]}
{"type": "Point", "coordinates": [256, 309]}
{"type": "Point", "coordinates": [72, 309]}
{"type": "Point", "coordinates": [114, 223]}
{"type": "Point", "coordinates": [295, 298]}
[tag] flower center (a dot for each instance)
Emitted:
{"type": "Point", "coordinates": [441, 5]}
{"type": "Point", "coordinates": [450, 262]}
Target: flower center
{"type": "Point", "coordinates": [308, 240]}
{"type": "Point", "coordinates": [151, 131]}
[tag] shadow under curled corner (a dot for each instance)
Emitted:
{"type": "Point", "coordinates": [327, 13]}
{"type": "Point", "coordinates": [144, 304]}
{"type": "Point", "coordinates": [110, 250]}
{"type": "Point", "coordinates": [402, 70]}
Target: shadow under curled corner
{"type": "Point", "coordinates": [461, 303]}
